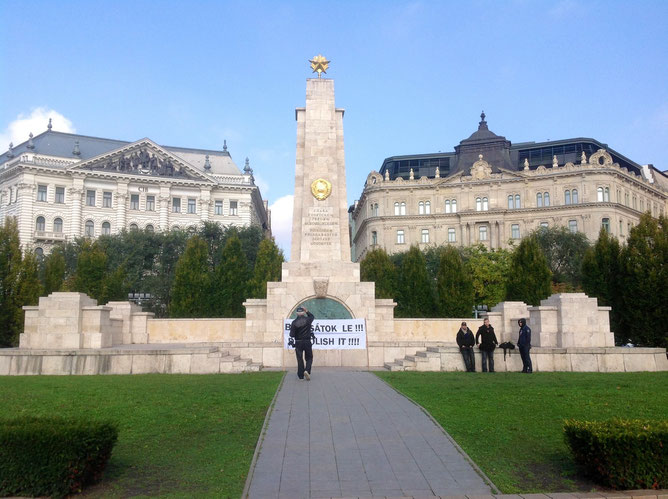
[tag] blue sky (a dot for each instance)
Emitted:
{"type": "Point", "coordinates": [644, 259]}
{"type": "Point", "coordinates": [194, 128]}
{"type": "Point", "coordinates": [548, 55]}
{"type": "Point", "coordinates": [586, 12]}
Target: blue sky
{"type": "Point", "coordinates": [412, 76]}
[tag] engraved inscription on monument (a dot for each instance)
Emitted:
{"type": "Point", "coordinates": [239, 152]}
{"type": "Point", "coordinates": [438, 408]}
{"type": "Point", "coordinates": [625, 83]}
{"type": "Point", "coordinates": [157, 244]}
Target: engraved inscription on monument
{"type": "Point", "coordinates": [321, 226]}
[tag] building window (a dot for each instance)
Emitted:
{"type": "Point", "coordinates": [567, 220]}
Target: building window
{"type": "Point", "coordinates": [106, 228]}
{"type": "Point", "coordinates": [606, 194]}
{"type": "Point", "coordinates": [511, 202]}
{"type": "Point", "coordinates": [515, 231]}
{"type": "Point", "coordinates": [621, 228]}
{"type": "Point", "coordinates": [41, 193]}
{"type": "Point", "coordinates": [150, 203]}
{"type": "Point", "coordinates": [176, 205]}
{"type": "Point", "coordinates": [448, 207]}
{"type": "Point", "coordinates": [374, 238]}
{"type": "Point", "coordinates": [60, 194]}
{"type": "Point", "coordinates": [642, 204]}
{"type": "Point", "coordinates": [400, 208]}
{"type": "Point", "coordinates": [539, 200]}
{"type": "Point", "coordinates": [599, 194]}
{"type": "Point", "coordinates": [544, 224]}
{"type": "Point", "coordinates": [218, 207]}
{"type": "Point", "coordinates": [485, 204]}
{"type": "Point", "coordinates": [635, 203]}
{"type": "Point", "coordinates": [421, 208]}
{"type": "Point", "coordinates": [90, 197]}
{"type": "Point", "coordinates": [478, 204]}
{"type": "Point", "coordinates": [41, 224]}
{"type": "Point", "coordinates": [482, 233]}
{"type": "Point", "coordinates": [605, 224]}
{"type": "Point", "coordinates": [233, 208]}
{"type": "Point", "coordinates": [454, 206]}
{"type": "Point", "coordinates": [58, 225]}
{"type": "Point", "coordinates": [176, 227]}
{"type": "Point", "coordinates": [619, 196]}
{"type": "Point", "coordinates": [134, 227]}
{"type": "Point", "coordinates": [573, 226]}
{"type": "Point", "coordinates": [425, 235]}
{"type": "Point", "coordinates": [400, 237]}
{"type": "Point", "coordinates": [106, 199]}
{"type": "Point", "coordinates": [39, 252]}
{"type": "Point", "coordinates": [192, 205]}
{"type": "Point", "coordinates": [574, 195]}
{"type": "Point", "coordinates": [518, 201]}
{"type": "Point", "coordinates": [89, 228]}
{"type": "Point", "coordinates": [603, 194]}
{"type": "Point", "coordinates": [375, 210]}
{"type": "Point", "coordinates": [427, 207]}
{"type": "Point", "coordinates": [567, 197]}
{"type": "Point", "coordinates": [626, 199]}
{"type": "Point", "coordinates": [452, 237]}
{"type": "Point", "coordinates": [546, 199]}
{"type": "Point", "coordinates": [134, 201]}
{"type": "Point", "coordinates": [150, 228]}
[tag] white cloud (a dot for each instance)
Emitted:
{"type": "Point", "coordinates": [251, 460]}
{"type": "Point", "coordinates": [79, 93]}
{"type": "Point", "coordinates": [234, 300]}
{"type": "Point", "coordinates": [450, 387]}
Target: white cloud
{"type": "Point", "coordinates": [36, 122]}
{"type": "Point", "coordinates": [281, 222]}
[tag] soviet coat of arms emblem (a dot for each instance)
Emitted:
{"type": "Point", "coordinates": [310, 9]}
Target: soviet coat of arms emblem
{"type": "Point", "coordinates": [321, 188]}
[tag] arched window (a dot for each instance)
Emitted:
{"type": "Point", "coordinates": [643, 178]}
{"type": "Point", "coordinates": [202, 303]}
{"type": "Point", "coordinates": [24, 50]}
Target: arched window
{"type": "Point", "coordinates": [58, 225]}
{"type": "Point", "coordinates": [454, 206]}
{"type": "Point", "coordinates": [176, 227]}
{"type": "Point", "coordinates": [539, 200]}
{"type": "Point", "coordinates": [605, 224]}
{"type": "Point", "coordinates": [134, 227]}
{"type": "Point", "coordinates": [403, 207]}
{"type": "Point", "coordinates": [485, 204]}
{"type": "Point", "coordinates": [374, 238]}
{"type": "Point", "coordinates": [89, 229]}
{"type": "Point", "coordinates": [518, 202]}
{"type": "Point", "coordinates": [511, 204]}
{"type": "Point", "coordinates": [41, 224]}
{"type": "Point", "coordinates": [447, 206]}
{"type": "Point", "coordinates": [546, 199]}
{"type": "Point", "coordinates": [427, 207]}
{"type": "Point", "coordinates": [39, 252]}
{"type": "Point", "coordinates": [421, 208]}
{"type": "Point", "coordinates": [149, 227]}
{"type": "Point", "coordinates": [606, 194]}
{"type": "Point", "coordinates": [599, 194]}
{"type": "Point", "coordinates": [375, 210]}
{"type": "Point", "coordinates": [397, 208]}
{"type": "Point", "coordinates": [478, 204]}
{"type": "Point", "coordinates": [106, 228]}
{"type": "Point", "coordinates": [567, 197]}
{"type": "Point", "coordinates": [575, 196]}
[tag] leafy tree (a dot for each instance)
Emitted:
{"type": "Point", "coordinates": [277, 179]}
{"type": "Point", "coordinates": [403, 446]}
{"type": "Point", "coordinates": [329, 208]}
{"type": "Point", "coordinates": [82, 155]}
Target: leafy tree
{"type": "Point", "coordinates": [455, 288]}
{"type": "Point", "coordinates": [190, 292]}
{"type": "Point", "coordinates": [644, 283]}
{"type": "Point", "coordinates": [54, 271]}
{"type": "Point", "coordinates": [115, 286]}
{"type": "Point", "coordinates": [529, 278]}
{"type": "Point", "coordinates": [29, 289]}
{"type": "Point", "coordinates": [415, 295]}
{"type": "Point", "coordinates": [378, 267]}
{"type": "Point", "coordinates": [267, 268]}
{"type": "Point", "coordinates": [10, 270]}
{"type": "Point", "coordinates": [488, 271]}
{"type": "Point", "coordinates": [91, 269]}
{"type": "Point", "coordinates": [564, 251]}
{"type": "Point", "coordinates": [230, 282]}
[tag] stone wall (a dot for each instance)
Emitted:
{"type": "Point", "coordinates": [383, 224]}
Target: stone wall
{"type": "Point", "coordinates": [195, 330]}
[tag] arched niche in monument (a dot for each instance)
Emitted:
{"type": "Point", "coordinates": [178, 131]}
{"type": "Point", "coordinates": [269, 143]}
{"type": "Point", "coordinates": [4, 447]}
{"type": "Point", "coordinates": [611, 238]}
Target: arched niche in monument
{"type": "Point", "coordinates": [324, 308]}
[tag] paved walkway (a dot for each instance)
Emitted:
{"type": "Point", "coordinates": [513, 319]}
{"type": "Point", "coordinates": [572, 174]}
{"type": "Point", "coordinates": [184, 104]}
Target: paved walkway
{"type": "Point", "coordinates": [348, 434]}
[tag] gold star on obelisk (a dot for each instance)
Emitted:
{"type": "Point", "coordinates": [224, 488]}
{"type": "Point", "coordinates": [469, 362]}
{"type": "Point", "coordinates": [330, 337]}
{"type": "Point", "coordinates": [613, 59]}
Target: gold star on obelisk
{"type": "Point", "coordinates": [319, 64]}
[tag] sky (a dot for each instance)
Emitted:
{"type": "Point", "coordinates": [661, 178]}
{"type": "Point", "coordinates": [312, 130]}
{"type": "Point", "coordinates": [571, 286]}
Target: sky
{"type": "Point", "coordinates": [413, 77]}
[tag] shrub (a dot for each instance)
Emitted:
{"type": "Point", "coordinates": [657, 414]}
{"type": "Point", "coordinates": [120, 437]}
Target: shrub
{"type": "Point", "coordinates": [622, 454]}
{"type": "Point", "coordinates": [52, 456]}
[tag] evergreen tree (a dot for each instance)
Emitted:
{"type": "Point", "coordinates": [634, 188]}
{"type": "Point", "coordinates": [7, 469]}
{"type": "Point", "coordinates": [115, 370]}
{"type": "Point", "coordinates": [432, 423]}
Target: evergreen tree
{"type": "Point", "coordinates": [530, 276]}
{"type": "Point", "coordinates": [10, 271]}
{"type": "Point", "coordinates": [415, 295]}
{"type": "Point", "coordinates": [115, 286]}
{"type": "Point", "coordinates": [489, 271]}
{"type": "Point", "coordinates": [377, 267]}
{"type": "Point", "coordinates": [644, 283]}
{"type": "Point", "coordinates": [29, 289]}
{"type": "Point", "coordinates": [564, 251]}
{"type": "Point", "coordinates": [267, 268]}
{"type": "Point", "coordinates": [54, 271]}
{"type": "Point", "coordinates": [230, 282]}
{"type": "Point", "coordinates": [455, 288]}
{"type": "Point", "coordinates": [190, 291]}
{"type": "Point", "coordinates": [91, 269]}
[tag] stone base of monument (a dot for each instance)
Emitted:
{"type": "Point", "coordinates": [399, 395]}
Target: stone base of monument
{"type": "Point", "coordinates": [68, 333]}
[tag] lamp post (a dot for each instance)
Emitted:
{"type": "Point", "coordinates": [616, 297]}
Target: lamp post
{"type": "Point", "coordinates": [478, 309]}
{"type": "Point", "coordinates": [138, 297]}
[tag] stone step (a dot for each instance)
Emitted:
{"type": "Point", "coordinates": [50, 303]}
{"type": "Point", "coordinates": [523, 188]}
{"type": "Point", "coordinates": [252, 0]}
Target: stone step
{"type": "Point", "coordinates": [229, 358]}
{"type": "Point", "coordinates": [391, 366]}
{"type": "Point", "coordinates": [427, 354]}
{"type": "Point", "coordinates": [406, 362]}
{"type": "Point", "coordinates": [253, 367]}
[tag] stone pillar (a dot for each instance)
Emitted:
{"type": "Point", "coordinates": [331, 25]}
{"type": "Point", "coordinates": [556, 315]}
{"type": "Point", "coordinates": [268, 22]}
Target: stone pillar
{"type": "Point", "coordinates": [205, 204]}
{"type": "Point", "coordinates": [75, 217]}
{"type": "Point", "coordinates": [121, 205]}
{"type": "Point", "coordinates": [163, 199]}
{"type": "Point", "coordinates": [26, 193]}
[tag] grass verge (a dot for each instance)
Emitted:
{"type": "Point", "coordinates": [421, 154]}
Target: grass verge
{"type": "Point", "coordinates": [179, 435]}
{"type": "Point", "coordinates": [511, 424]}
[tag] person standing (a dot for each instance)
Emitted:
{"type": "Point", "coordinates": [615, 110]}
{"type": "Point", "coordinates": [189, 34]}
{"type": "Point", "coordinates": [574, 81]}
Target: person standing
{"type": "Point", "coordinates": [524, 345]}
{"type": "Point", "coordinates": [486, 338]}
{"type": "Point", "coordinates": [466, 341]}
{"type": "Point", "coordinates": [300, 330]}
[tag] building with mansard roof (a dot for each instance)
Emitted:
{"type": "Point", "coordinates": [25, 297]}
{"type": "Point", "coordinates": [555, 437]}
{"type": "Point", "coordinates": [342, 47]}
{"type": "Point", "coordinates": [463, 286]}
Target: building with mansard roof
{"type": "Point", "coordinates": [491, 192]}
{"type": "Point", "coordinates": [62, 186]}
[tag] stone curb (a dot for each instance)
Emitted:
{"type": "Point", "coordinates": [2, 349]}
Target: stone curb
{"type": "Point", "coordinates": [622, 494]}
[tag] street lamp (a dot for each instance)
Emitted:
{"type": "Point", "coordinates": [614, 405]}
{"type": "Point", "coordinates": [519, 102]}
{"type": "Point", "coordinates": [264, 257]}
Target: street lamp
{"type": "Point", "coordinates": [478, 309]}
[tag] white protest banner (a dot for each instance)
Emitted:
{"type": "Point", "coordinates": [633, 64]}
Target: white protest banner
{"type": "Point", "coordinates": [333, 334]}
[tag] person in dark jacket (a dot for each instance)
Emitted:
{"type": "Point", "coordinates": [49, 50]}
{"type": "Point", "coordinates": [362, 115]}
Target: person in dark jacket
{"type": "Point", "coordinates": [486, 338]}
{"type": "Point", "coordinates": [466, 341]}
{"type": "Point", "coordinates": [300, 330]}
{"type": "Point", "coordinates": [524, 345]}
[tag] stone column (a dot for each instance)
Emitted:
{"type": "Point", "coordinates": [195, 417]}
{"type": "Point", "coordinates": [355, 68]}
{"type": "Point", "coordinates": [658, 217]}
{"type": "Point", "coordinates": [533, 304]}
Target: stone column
{"type": "Point", "coordinates": [75, 217]}
{"type": "Point", "coordinates": [205, 204]}
{"type": "Point", "coordinates": [26, 193]}
{"type": "Point", "coordinates": [121, 211]}
{"type": "Point", "coordinates": [163, 199]}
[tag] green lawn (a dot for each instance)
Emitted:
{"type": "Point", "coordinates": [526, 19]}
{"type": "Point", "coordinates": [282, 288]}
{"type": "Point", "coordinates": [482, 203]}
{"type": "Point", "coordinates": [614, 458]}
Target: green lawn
{"type": "Point", "coordinates": [179, 435]}
{"type": "Point", "coordinates": [511, 423]}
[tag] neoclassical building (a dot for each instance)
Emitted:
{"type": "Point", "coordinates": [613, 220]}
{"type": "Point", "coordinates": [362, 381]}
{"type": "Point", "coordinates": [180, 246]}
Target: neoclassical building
{"type": "Point", "coordinates": [492, 192]}
{"type": "Point", "coordinates": [61, 186]}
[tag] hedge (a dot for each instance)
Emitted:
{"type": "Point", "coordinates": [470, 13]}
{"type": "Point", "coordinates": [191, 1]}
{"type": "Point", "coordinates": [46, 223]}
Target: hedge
{"type": "Point", "coordinates": [621, 454]}
{"type": "Point", "coordinates": [52, 456]}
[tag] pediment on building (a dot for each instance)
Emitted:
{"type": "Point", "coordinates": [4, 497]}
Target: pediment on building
{"type": "Point", "coordinates": [481, 169]}
{"type": "Point", "coordinates": [143, 158]}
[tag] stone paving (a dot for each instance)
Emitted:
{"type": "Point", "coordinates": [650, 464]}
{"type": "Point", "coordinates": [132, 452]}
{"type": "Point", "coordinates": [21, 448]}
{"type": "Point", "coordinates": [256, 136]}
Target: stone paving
{"type": "Point", "coordinates": [348, 434]}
